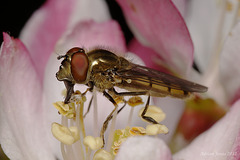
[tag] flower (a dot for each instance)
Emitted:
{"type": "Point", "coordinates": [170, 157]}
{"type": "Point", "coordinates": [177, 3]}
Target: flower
{"type": "Point", "coordinates": [28, 85]}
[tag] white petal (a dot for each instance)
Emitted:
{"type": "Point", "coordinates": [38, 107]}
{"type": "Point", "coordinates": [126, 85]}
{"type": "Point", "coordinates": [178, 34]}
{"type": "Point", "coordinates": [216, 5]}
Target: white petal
{"type": "Point", "coordinates": [229, 64]}
{"type": "Point", "coordinates": [209, 23]}
{"type": "Point", "coordinates": [142, 148]}
{"type": "Point", "coordinates": [173, 108]}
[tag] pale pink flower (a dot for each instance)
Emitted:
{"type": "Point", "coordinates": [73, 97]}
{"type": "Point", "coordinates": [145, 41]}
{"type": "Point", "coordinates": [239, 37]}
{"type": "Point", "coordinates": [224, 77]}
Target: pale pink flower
{"type": "Point", "coordinates": [28, 86]}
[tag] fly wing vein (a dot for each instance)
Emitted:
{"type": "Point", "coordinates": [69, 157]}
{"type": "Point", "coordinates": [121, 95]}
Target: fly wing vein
{"type": "Point", "coordinates": [159, 79]}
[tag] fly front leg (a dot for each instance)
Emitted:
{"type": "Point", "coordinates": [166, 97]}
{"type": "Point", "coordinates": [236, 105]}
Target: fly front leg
{"type": "Point", "coordinates": [69, 86]}
{"type": "Point", "coordinates": [90, 89]}
{"type": "Point", "coordinates": [105, 124]}
{"type": "Point", "coordinates": [149, 119]}
{"type": "Point", "coordinates": [89, 106]}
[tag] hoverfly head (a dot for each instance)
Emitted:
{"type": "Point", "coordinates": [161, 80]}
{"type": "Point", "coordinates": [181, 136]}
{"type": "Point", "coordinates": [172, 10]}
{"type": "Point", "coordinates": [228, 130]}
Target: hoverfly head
{"type": "Point", "coordinates": [74, 66]}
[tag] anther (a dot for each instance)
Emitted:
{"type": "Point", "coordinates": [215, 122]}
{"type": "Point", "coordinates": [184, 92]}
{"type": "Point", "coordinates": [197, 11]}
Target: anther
{"type": "Point", "coordinates": [155, 129]}
{"type": "Point", "coordinates": [154, 112]}
{"type": "Point", "coordinates": [93, 143]}
{"type": "Point", "coordinates": [65, 135]}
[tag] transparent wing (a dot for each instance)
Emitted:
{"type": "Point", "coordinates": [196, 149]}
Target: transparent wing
{"type": "Point", "coordinates": [140, 78]}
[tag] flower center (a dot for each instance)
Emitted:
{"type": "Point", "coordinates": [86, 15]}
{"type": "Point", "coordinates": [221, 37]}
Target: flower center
{"type": "Point", "coordinates": [75, 144]}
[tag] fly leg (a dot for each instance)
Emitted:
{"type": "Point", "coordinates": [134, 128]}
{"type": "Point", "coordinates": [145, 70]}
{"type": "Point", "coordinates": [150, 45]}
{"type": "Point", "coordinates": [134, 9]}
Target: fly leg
{"type": "Point", "coordinates": [89, 106]}
{"type": "Point", "coordinates": [149, 119]}
{"type": "Point", "coordinates": [105, 124]}
{"type": "Point", "coordinates": [120, 108]}
{"type": "Point", "coordinates": [69, 86]}
{"type": "Point", "coordinates": [126, 94]}
{"type": "Point", "coordinates": [90, 103]}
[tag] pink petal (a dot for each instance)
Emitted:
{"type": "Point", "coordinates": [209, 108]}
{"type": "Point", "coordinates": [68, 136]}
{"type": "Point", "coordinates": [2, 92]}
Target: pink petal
{"type": "Point", "coordinates": [236, 148]}
{"type": "Point", "coordinates": [48, 23]}
{"type": "Point", "coordinates": [219, 142]}
{"type": "Point", "coordinates": [43, 30]}
{"type": "Point", "coordinates": [181, 6]}
{"type": "Point", "coordinates": [229, 65]}
{"type": "Point", "coordinates": [142, 148]}
{"type": "Point", "coordinates": [151, 58]}
{"type": "Point", "coordinates": [22, 131]}
{"type": "Point", "coordinates": [90, 34]}
{"type": "Point", "coordinates": [158, 25]}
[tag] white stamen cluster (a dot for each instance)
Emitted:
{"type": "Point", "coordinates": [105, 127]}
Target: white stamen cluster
{"type": "Point", "coordinates": [75, 145]}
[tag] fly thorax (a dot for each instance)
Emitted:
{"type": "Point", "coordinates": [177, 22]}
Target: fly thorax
{"type": "Point", "coordinates": [101, 81]}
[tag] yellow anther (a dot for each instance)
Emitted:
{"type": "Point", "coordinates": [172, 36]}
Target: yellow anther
{"type": "Point", "coordinates": [137, 131]}
{"type": "Point", "coordinates": [102, 155]}
{"type": "Point", "coordinates": [67, 110]}
{"type": "Point", "coordinates": [78, 97]}
{"type": "Point", "coordinates": [154, 112]}
{"type": "Point", "coordinates": [65, 135]}
{"type": "Point", "coordinates": [116, 145]}
{"type": "Point", "coordinates": [93, 143]}
{"type": "Point", "coordinates": [121, 136]}
{"type": "Point", "coordinates": [134, 101]}
{"type": "Point", "coordinates": [75, 132]}
{"type": "Point", "coordinates": [118, 99]}
{"type": "Point", "coordinates": [155, 129]}
{"type": "Point", "coordinates": [77, 92]}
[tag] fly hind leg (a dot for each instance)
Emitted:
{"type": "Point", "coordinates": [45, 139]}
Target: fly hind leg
{"type": "Point", "coordinates": [128, 93]}
{"type": "Point", "coordinates": [147, 118]}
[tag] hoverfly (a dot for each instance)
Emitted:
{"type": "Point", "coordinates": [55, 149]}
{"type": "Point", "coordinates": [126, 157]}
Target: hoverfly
{"type": "Point", "coordinates": [105, 70]}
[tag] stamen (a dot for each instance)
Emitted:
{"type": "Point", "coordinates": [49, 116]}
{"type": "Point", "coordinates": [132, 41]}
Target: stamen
{"type": "Point", "coordinates": [94, 143]}
{"type": "Point", "coordinates": [111, 131]}
{"type": "Point", "coordinates": [130, 116]}
{"type": "Point", "coordinates": [72, 128]}
{"type": "Point", "coordinates": [65, 135]}
{"type": "Point", "coordinates": [69, 135]}
{"type": "Point", "coordinates": [79, 104]}
{"type": "Point", "coordinates": [136, 131]}
{"type": "Point", "coordinates": [135, 101]}
{"type": "Point", "coordinates": [95, 112]}
{"type": "Point", "coordinates": [67, 110]}
{"type": "Point", "coordinates": [121, 136]}
{"type": "Point", "coordinates": [63, 151]}
{"type": "Point", "coordinates": [155, 112]}
{"type": "Point", "coordinates": [155, 129]}
{"type": "Point", "coordinates": [102, 155]}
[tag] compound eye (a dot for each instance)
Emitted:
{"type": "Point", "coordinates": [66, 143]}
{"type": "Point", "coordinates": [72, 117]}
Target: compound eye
{"type": "Point", "coordinates": [75, 50]}
{"type": "Point", "coordinates": [79, 65]}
